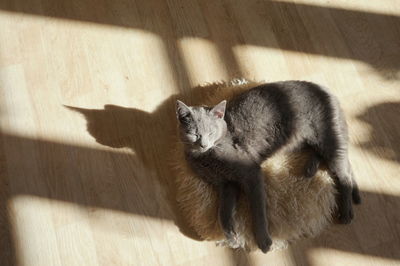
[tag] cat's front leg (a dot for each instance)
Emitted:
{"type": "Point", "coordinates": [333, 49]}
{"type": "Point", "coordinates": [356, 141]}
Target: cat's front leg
{"type": "Point", "coordinates": [228, 197]}
{"type": "Point", "coordinates": [254, 188]}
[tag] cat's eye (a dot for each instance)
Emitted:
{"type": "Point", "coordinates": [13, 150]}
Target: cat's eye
{"type": "Point", "coordinates": [192, 137]}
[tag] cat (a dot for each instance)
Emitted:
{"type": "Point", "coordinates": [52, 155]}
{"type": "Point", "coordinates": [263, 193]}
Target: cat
{"type": "Point", "coordinates": [225, 145]}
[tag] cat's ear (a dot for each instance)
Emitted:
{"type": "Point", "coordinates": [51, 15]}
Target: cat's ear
{"type": "Point", "coordinates": [219, 110]}
{"type": "Point", "coordinates": [182, 111]}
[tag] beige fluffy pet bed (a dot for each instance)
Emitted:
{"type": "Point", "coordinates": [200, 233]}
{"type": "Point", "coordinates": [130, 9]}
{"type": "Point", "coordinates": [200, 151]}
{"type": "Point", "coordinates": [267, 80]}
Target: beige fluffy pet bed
{"type": "Point", "coordinates": [297, 207]}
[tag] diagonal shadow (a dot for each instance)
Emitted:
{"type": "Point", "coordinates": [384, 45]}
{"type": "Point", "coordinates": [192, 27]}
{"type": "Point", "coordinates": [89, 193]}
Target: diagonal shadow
{"type": "Point", "coordinates": [363, 36]}
{"type": "Point", "coordinates": [374, 232]}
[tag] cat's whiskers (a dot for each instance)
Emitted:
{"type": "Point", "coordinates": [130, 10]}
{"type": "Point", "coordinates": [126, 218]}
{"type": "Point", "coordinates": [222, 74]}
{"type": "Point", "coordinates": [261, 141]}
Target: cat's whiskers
{"type": "Point", "coordinates": [218, 147]}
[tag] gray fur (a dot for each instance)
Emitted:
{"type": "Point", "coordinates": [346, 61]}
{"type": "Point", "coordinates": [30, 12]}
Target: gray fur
{"type": "Point", "coordinates": [227, 150]}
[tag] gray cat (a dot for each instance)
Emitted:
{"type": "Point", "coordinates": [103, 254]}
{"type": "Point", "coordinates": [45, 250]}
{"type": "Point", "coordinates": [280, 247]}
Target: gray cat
{"type": "Point", "coordinates": [226, 144]}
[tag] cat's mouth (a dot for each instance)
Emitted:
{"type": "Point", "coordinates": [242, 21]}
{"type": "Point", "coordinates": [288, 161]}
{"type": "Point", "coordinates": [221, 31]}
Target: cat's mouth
{"type": "Point", "coordinates": [202, 149]}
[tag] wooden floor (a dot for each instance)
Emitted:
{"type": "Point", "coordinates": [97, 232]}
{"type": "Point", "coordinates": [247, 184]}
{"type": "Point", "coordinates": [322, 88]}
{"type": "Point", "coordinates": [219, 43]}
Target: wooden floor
{"type": "Point", "coordinates": [86, 112]}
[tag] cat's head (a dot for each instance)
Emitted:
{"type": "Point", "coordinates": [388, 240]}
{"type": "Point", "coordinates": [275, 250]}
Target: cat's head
{"type": "Point", "coordinates": [201, 127]}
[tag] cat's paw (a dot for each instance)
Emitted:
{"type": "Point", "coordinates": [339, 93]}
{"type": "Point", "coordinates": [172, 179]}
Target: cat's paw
{"type": "Point", "coordinates": [232, 240]}
{"type": "Point", "coordinates": [310, 172]}
{"type": "Point", "coordinates": [311, 167]}
{"type": "Point", "coordinates": [356, 196]}
{"type": "Point", "coordinates": [345, 211]}
{"type": "Point", "coordinates": [264, 243]}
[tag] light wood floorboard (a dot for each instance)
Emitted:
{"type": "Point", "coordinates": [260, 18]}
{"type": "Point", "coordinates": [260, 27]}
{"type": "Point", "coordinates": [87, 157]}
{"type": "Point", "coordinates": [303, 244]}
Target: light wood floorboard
{"type": "Point", "coordinates": [86, 110]}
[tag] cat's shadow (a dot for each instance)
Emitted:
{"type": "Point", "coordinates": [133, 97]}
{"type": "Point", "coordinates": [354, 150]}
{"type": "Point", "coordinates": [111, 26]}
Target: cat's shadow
{"type": "Point", "coordinates": [148, 135]}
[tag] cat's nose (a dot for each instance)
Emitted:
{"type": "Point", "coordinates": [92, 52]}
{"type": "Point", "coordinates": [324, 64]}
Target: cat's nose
{"type": "Point", "coordinates": [203, 145]}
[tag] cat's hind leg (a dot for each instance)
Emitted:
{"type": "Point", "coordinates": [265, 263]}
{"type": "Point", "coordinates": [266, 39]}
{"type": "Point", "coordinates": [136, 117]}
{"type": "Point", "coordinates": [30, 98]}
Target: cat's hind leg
{"type": "Point", "coordinates": [340, 171]}
{"type": "Point", "coordinates": [333, 150]}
